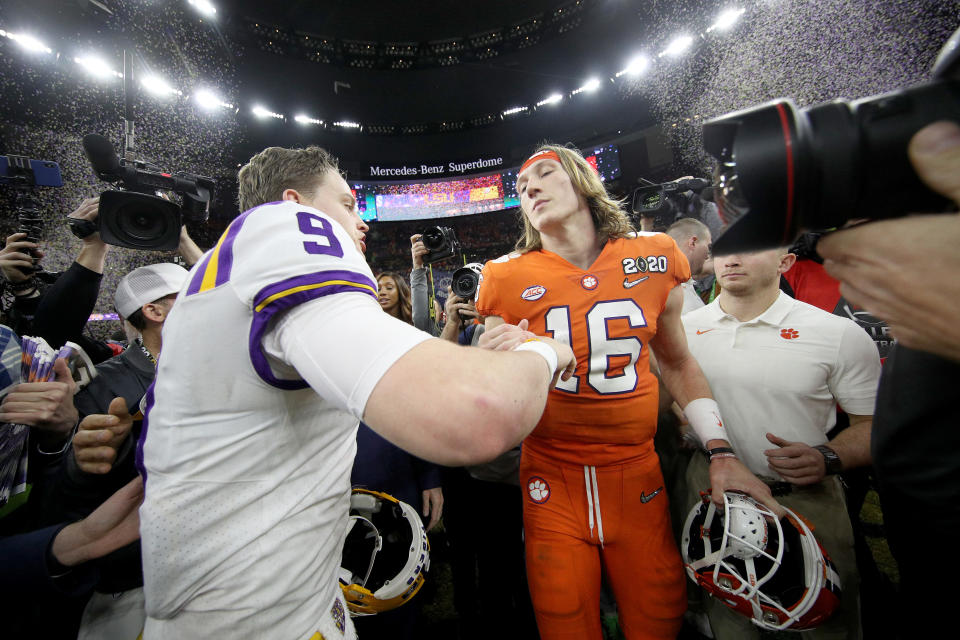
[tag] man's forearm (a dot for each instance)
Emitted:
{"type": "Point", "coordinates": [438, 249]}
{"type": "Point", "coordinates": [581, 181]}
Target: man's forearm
{"type": "Point", "coordinates": [188, 249]}
{"type": "Point", "coordinates": [93, 257]}
{"type": "Point", "coordinates": [852, 445]}
{"type": "Point", "coordinates": [684, 380]}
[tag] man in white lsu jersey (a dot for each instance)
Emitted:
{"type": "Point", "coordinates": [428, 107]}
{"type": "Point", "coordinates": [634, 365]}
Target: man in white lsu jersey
{"type": "Point", "coordinates": [274, 351]}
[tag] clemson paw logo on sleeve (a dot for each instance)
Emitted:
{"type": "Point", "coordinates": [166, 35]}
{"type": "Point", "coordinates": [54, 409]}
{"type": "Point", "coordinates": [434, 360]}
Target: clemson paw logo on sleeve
{"type": "Point", "coordinates": [538, 489]}
{"type": "Point", "coordinates": [789, 334]}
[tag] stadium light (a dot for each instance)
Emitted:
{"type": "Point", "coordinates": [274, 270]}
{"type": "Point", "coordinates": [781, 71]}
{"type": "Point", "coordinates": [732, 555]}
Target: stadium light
{"type": "Point", "coordinates": [346, 124]}
{"type": "Point", "coordinates": [209, 100]}
{"type": "Point", "coordinates": [636, 66]}
{"type": "Point", "coordinates": [159, 87]}
{"type": "Point", "coordinates": [97, 67]}
{"type": "Point", "coordinates": [591, 85]}
{"type": "Point", "coordinates": [726, 20]}
{"type": "Point", "coordinates": [204, 7]}
{"type": "Point", "coordinates": [302, 119]}
{"type": "Point", "coordinates": [556, 97]}
{"type": "Point", "coordinates": [513, 110]}
{"type": "Point", "coordinates": [27, 42]}
{"type": "Point", "coordinates": [263, 112]}
{"type": "Point", "coordinates": [678, 46]}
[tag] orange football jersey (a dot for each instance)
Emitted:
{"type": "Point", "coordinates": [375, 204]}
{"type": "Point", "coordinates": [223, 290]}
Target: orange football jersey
{"type": "Point", "coordinates": [607, 314]}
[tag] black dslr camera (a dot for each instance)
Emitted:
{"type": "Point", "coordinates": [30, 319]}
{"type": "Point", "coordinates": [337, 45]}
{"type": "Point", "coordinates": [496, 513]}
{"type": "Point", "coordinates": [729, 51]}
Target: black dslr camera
{"type": "Point", "coordinates": [441, 243]}
{"type": "Point", "coordinates": [669, 201]}
{"type": "Point", "coordinates": [783, 169]}
{"type": "Point", "coordinates": [132, 218]}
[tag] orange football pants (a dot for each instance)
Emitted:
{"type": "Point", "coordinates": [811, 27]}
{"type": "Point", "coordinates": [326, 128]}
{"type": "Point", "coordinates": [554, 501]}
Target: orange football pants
{"type": "Point", "coordinates": [576, 518]}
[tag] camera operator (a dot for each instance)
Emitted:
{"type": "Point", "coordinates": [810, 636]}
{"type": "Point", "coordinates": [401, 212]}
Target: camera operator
{"type": "Point", "coordinates": [64, 308]}
{"type": "Point", "coordinates": [905, 271]}
{"type": "Point", "coordinates": [461, 315]}
{"type": "Point", "coordinates": [20, 287]}
{"type": "Point", "coordinates": [419, 294]}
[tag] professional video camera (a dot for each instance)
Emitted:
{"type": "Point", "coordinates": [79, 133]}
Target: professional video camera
{"type": "Point", "coordinates": [131, 217]}
{"type": "Point", "coordinates": [668, 201]}
{"type": "Point", "coordinates": [783, 169]}
{"type": "Point", "coordinates": [23, 174]}
{"type": "Point", "coordinates": [441, 243]}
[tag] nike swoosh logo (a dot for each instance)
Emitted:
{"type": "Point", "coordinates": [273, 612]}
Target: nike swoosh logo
{"type": "Point", "coordinates": [700, 333]}
{"type": "Point", "coordinates": [644, 498]}
{"type": "Point", "coordinates": [632, 283]}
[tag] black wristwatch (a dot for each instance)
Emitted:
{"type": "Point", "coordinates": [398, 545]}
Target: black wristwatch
{"type": "Point", "coordinates": [834, 465]}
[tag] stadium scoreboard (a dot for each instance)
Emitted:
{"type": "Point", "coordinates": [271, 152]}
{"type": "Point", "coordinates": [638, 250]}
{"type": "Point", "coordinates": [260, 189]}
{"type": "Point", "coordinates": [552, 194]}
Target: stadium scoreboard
{"type": "Point", "coordinates": [460, 196]}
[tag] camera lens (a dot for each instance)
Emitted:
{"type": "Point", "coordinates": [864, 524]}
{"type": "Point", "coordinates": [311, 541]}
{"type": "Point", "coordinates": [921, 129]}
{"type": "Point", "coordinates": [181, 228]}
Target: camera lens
{"type": "Point", "coordinates": [731, 205]}
{"type": "Point", "coordinates": [465, 285]}
{"type": "Point", "coordinates": [142, 224]}
{"type": "Point", "coordinates": [433, 238]}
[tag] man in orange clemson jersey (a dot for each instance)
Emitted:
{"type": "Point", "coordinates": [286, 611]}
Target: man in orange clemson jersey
{"type": "Point", "coordinates": [593, 485]}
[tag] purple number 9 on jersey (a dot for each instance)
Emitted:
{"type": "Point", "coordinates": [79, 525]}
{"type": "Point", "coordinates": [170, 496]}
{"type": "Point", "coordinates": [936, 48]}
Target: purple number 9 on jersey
{"type": "Point", "coordinates": [313, 225]}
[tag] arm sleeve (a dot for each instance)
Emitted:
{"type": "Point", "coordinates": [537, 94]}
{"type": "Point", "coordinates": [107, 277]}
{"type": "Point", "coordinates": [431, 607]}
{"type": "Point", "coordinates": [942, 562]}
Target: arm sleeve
{"type": "Point", "coordinates": [25, 570]}
{"type": "Point", "coordinates": [856, 375]}
{"type": "Point", "coordinates": [63, 310]}
{"type": "Point", "coordinates": [428, 474]}
{"type": "Point", "coordinates": [341, 345]}
{"type": "Point", "coordinates": [488, 298]}
{"type": "Point", "coordinates": [420, 302]}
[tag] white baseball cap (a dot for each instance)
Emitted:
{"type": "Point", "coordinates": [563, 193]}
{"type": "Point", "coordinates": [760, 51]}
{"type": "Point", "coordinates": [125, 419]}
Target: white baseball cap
{"type": "Point", "coordinates": [146, 284]}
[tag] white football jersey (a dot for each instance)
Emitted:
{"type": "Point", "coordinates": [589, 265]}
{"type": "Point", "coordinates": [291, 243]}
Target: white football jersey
{"type": "Point", "coordinates": [247, 469]}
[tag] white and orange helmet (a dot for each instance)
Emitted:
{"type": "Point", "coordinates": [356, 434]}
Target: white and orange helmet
{"type": "Point", "coordinates": [774, 572]}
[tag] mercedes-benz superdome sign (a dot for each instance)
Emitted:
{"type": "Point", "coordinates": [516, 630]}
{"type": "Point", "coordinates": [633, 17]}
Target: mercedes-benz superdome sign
{"type": "Point", "coordinates": [434, 169]}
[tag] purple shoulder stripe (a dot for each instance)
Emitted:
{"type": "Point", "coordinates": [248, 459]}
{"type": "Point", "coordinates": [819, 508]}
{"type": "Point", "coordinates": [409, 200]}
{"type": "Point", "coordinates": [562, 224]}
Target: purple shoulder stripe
{"type": "Point", "coordinates": [198, 272]}
{"type": "Point", "coordinates": [224, 253]}
{"type": "Point", "coordinates": [287, 294]}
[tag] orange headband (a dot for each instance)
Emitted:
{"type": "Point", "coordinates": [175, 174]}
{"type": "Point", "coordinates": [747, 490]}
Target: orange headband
{"type": "Point", "coordinates": [546, 154]}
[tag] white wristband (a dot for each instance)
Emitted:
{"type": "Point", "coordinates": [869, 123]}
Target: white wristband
{"type": "Point", "coordinates": [544, 350]}
{"type": "Point", "coordinates": [703, 414]}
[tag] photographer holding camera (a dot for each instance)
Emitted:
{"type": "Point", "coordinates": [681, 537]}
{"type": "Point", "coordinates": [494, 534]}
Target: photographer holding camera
{"type": "Point", "coordinates": [879, 158]}
{"type": "Point", "coordinates": [905, 271]}
{"type": "Point", "coordinates": [461, 313]}
{"type": "Point", "coordinates": [419, 289]}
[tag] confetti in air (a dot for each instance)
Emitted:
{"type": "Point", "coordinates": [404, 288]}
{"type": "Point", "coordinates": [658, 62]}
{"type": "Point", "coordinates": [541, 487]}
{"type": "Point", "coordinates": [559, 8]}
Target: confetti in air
{"type": "Point", "coordinates": [808, 50]}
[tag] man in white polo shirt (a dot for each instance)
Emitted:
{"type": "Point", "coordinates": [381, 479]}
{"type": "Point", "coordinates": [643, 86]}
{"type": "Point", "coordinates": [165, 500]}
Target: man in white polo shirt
{"type": "Point", "coordinates": [778, 369]}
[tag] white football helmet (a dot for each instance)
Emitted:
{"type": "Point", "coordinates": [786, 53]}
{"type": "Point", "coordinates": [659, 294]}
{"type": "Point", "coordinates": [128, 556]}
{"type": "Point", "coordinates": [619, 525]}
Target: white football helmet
{"type": "Point", "coordinates": [385, 554]}
{"type": "Point", "coordinates": [773, 571]}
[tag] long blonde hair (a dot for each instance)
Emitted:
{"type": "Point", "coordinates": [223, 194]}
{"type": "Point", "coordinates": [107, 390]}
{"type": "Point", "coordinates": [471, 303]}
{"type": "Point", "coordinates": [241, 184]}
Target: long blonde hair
{"type": "Point", "coordinates": [609, 217]}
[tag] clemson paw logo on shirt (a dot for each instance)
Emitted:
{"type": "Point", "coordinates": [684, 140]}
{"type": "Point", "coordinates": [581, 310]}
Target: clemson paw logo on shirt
{"type": "Point", "coordinates": [789, 334]}
{"type": "Point", "coordinates": [589, 282]}
{"type": "Point", "coordinates": [539, 489]}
